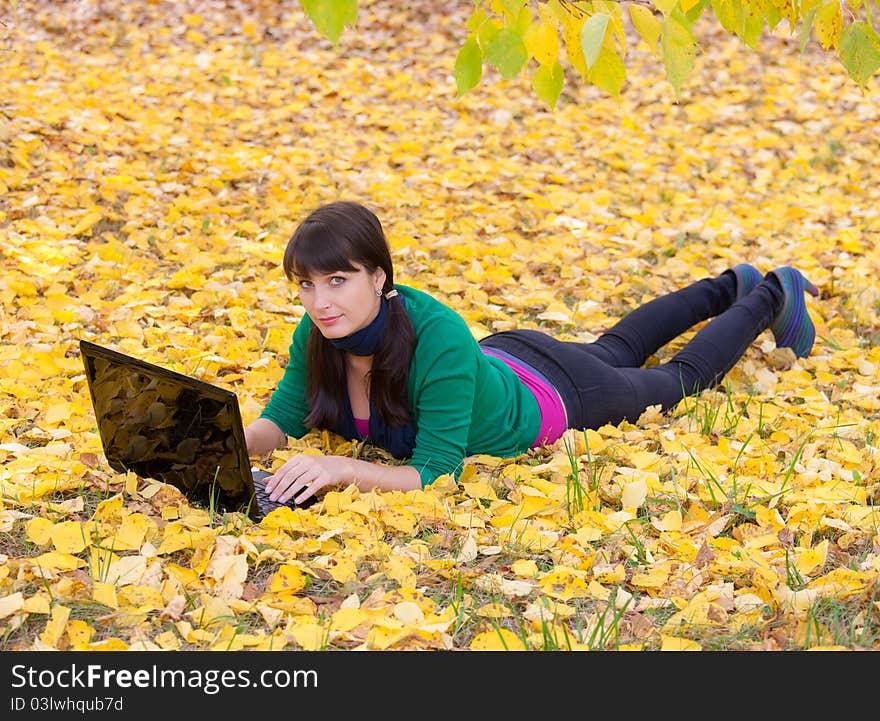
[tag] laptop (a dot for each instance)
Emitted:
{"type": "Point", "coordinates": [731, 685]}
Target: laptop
{"type": "Point", "coordinates": [176, 429]}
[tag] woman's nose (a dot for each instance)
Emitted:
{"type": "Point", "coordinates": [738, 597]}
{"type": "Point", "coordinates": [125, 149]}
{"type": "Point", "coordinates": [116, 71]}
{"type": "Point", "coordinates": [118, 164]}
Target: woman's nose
{"type": "Point", "coordinates": [322, 297]}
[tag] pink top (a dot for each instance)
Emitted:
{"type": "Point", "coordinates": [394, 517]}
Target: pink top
{"type": "Point", "coordinates": [553, 417]}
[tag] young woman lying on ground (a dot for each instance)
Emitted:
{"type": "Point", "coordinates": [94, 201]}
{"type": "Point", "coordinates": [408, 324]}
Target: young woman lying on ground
{"type": "Point", "coordinates": [390, 364]}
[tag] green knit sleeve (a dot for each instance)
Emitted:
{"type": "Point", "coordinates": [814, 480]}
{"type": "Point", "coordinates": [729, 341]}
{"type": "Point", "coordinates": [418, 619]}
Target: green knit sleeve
{"type": "Point", "coordinates": [287, 407]}
{"type": "Point", "coordinates": [445, 372]}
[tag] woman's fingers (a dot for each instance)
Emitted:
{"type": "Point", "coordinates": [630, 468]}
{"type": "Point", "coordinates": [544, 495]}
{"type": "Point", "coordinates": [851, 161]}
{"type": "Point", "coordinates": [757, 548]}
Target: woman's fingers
{"type": "Point", "coordinates": [303, 475]}
{"type": "Point", "coordinates": [290, 479]}
{"type": "Point", "coordinates": [280, 492]}
{"type": "Point", "coordinates": [277, 484]}
{"type": "Point", "coordinates": [302, 481]}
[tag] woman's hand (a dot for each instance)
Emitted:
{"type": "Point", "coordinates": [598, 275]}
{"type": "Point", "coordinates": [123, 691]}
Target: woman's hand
{"type": "Point", "coordinates": [303, 475]}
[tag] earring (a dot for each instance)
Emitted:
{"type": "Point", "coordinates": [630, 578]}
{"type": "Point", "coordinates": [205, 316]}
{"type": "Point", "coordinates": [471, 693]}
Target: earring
{"type": "Point", "coordinates": [378, 291]}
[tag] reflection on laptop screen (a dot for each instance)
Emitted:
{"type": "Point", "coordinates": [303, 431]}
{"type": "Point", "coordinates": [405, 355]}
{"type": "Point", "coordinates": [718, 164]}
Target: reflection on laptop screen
{"type": "Point", "coordinates": [168, 426]}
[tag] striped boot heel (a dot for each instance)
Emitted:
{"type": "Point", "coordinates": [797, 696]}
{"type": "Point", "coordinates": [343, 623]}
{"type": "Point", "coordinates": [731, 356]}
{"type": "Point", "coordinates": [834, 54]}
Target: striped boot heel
{"type": "Point", "coordinates": [792, 326]}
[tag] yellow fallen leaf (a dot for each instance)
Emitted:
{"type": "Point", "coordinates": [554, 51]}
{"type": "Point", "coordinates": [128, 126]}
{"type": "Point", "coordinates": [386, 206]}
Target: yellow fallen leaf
{"type": "Point", "coordinates": [530, 539]}
{"type": "Point", "coordinates": [56, 626]}
{"type": "Point", "coordinates": [105, 593]}
{"type": "Point", "coordinates": [398, 569]}
{"type": "Point", "coordinates": [497, 640]}
{"type": "Point", "coordinates": [342, 568]}
{"type": "Point", "coordinates": [38, 603]}
{"type": "Point", "coordinates": [655, 577]}
{"type": "Point", "coordinates": [185, 576]}
{"type": "Point", "coordinates": [124, 570]}
{"type": "Point", "coordinates": [524, 568]}
{"type": "Point", "coordinates": [69, 537]}
{"type": "Point", "coordinates": [59, 412]}
{"type": "Point", "coordinates": [674, 643]}
{"type": "Point", "coordinates": [399, 519]}
{"type": "Point", "coordinates": [514, 588]}
{"type": "Point", "coordinates": [408, 613]}
{"type": "Point", "coordinates": [109, 510]}
{"type": "Point", "coordinates": [13, 603]}
{"type": "Point", "coordinates": [132, 532]}
{"type": "Point", "coordinates": [168, 641]}
{"type": "Point", "coordinates": [311, 636]}
{"type": "Point", "coordinates": [108, 644]}
{"type": "Point", "coordinates": [87, 221]}
{"type": "Point", "coordinates": [231, 573]}
{"type": "Point", "coordinates": [212, 612]}
{"type": "Point", "coordinates": [79, 632]}
{"type": "Point", "coordinates": [56, 561]}
{"type": "Point", "coordinates": [563, 584]}
{"type": "Point", "coordinates": [543, 609]}
{"type": "Point", "coordinates": [494, 610]}
{"type": "Point", "coordinates": [139, 599]}
{"type": "Point", "coordinates": [798, 601]}
{"type": "Point", "coordinates": [812, 558]}
{"type": "Point", "coordinates": [556, 316]}
{"type": "Point", "coordinates": [347, 619]}
{"type": "Point", "coordinates": [39, 531]}
{"type": "Point", "coordinates": [387, 634]}
{"type": "Point", "coordinates": [634, 494]}
{"type": "Point", "coordinates": [288, 578]}
{"type": "Point", "coordinates": [670, 521]}
{"type": "Point", "coordinates": [468, 550]}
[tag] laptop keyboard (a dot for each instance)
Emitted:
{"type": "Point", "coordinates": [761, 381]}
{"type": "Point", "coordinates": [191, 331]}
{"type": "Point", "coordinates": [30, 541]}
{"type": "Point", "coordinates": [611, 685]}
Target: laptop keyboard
{"type": "Point", "coordinates": [264, 505]}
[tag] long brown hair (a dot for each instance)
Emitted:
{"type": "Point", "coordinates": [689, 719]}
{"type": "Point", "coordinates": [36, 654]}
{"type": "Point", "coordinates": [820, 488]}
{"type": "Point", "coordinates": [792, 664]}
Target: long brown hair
{"type": "Point", "coordinates": [333, 238]}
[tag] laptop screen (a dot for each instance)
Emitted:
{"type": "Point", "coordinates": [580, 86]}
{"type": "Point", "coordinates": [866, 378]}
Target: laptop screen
{"type": "Point", "coordinates": [168, 426]}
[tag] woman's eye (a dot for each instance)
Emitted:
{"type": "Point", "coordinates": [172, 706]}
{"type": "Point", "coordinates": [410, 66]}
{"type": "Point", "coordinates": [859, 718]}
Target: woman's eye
{"type": "Point", "coordinates": [305, 284]}
{"type": "Point", "coordinates": [337, 280]}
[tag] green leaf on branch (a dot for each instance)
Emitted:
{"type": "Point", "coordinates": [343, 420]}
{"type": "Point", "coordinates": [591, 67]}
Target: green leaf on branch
{"type": "Point", "coordinates": [806, 28]}
{"type": "Point", "coordinates": [609, 72]}
{"type": "Point", "coordinates": [331, 16]}
{"type": "Point", "coordinates": [729, 14]}
{"type": "Point", "coordinates": [542, 42]}
{"type": "Point", "coordinates": [507, 52]}
{"type": "Point", "coordinates": [752, 22]}
{"type": "Point", "coordinates": [789, 9]}
{"type": "Point", "coordinates": [513, 7]}
{"type": "Point", "coordinates": [487, 32]}
{"type": "Point", "coordinates": [829, 24]}
{"type": "Point", "coordinates": [860, 52]}
{"type": "Point", "coordinates": [593, 37]}
{"type": "Point", "coordinates": [522, 21]}
{"type": "Point", "coordinates": [773, 17]}
{"type": "Point", "coordinates": [468, 66]}
{"type": "Point", "coordinates": [665, 6]}
{"type": "Point", "coordinates": [477, 18]}
{"type": "Point", "coordinates": [646, 25]}
{"type": "Point", "coordinates": [679, 50]}
{"type": "Point", "coordinates": [547, 83]}
{"type": "Point", "coordinates": [694, 10]}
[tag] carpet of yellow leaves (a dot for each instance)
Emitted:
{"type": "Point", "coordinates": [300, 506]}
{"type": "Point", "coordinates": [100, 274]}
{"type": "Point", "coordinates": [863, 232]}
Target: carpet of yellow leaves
{"type": "Point", "coordinates": [153, 162]}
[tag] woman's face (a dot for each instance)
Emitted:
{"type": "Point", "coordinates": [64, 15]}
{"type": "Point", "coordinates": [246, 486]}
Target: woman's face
{"type": "Point", "coordinates": [341, 303]}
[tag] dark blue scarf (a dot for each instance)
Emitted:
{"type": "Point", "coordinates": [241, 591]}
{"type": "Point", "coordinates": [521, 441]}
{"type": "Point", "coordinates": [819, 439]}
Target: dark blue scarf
{"type": "Point", "coordinates": [399, 441]}
{"type": "Point", "coordinates": [366, 340]}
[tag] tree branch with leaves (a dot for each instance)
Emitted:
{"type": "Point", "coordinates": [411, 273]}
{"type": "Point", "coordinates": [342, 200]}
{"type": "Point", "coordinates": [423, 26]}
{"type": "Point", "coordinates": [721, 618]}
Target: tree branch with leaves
{"type": "Point", "coordinates": [547, 38]}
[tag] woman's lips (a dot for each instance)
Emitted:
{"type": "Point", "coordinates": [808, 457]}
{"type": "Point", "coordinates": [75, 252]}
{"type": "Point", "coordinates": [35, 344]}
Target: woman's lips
{"type": "Point", "coordinates": [330, 320]}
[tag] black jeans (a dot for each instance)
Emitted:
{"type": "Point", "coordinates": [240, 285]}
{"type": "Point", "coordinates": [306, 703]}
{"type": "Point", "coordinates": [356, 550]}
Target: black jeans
{"type": "Point", "coordinates": [604, 381]}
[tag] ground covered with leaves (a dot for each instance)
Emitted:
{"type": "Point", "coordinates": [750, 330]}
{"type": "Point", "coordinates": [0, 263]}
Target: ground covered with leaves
{"type": "Point", "coordinates": [156, 156]}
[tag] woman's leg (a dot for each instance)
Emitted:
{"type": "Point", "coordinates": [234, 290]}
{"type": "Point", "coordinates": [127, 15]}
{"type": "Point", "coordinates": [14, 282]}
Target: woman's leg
{"type": "Point", "coordinates": [646, 329]}
{"type": "Point", "coordinates": [596, 393]}
{"type": "Point", "coordinates": [701, 364]}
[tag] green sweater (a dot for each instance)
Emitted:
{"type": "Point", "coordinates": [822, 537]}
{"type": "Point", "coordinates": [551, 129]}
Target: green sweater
{"type": "Point", "coordinates": [463, 402]}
